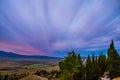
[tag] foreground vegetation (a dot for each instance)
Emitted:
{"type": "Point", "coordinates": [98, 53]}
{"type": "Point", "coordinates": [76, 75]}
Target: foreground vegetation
{"type": "Point", "coordinates": [72, 67]}
{"type": "Point", "coordinates": [53, 75]}
{"type": "Point", "coordinates": [11, 76]}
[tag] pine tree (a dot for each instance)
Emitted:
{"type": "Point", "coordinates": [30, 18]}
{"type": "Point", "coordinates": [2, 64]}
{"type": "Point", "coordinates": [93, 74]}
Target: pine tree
{"type": "Point", "coordinates": [94, 68]}
{"type": "Point", "coordinates": [80, 75]}
{"type": "Point", "coordinates": [102, 64]}
{"type": "Point", "coordinates": [113, 61]}
{"type": "Point", "coordinates": [89, 75]}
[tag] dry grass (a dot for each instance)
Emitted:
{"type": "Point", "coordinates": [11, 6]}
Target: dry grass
{"type": "Point", "coordinates": [53, 68]}
{"type": "Point", "coordinates": [33, 77]}
{"type": "Point", "coordinates": [118, 78]}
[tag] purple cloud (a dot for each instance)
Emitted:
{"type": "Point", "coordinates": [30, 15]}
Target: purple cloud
{"type": "Point", "coordinates": [53, 27]}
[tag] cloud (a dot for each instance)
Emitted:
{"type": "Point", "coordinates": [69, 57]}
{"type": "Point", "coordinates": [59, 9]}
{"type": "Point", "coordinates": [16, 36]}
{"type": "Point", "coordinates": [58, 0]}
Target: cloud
{"type": "Point", "coordinates": [48, 26]}
{"type": "Point", "coordinates": [17, 48]}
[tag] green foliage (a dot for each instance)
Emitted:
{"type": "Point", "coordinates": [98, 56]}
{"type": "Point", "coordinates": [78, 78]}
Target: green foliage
{"type": "Point", "coordinates": [34, 66]}
{"type": "Point", "coordinates": [102, 63]}
{"type": "Point", "coordinates": [95, 67]}
{"type": "Point", "coordinates": [1, 76]}
{"type": "Point", "coordinates": [66, 75]}
{"type": "Point", "coordinates": [89, 75]}
{"type": "Point", "coordinates": [113, 62]}
{"type": "Point", "coordinates": [72, 66]}
{"type": "Point", "coordinates": [56, 73]}
{"type": "Point", "coordinates": [4, 76]}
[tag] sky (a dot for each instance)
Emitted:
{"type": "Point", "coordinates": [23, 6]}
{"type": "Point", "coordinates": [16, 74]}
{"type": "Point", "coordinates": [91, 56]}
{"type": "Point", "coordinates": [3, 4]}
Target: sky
{"type": "Point", "coordinates": [55, 27]}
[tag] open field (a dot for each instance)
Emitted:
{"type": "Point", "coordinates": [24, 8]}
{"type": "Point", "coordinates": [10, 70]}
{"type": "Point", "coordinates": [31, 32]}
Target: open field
{"type": "Point", "coordinates": [11, 67]}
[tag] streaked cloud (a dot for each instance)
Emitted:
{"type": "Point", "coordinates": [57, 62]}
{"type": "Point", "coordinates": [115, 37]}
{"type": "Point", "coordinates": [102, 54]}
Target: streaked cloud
{"type": "Point", "coordinates": [52, 27]}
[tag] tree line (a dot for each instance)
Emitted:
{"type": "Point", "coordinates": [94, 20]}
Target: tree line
{"type": "Point", "coordinates": [73, 68]}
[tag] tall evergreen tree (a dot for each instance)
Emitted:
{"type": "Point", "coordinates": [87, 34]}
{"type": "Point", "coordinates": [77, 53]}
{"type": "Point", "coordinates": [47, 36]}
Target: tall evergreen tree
{"type": "Point", "coordinates": [80, 75]}
{"type": "Point", "coordinates": [113, 61]}
{"type": "Point", "coordinates": [102, 64]}
{"type": "Point", "coordinates": [89, 75]}
{"type": "Point", "coordinates": [93, 58]}
{"type": "Point", "coordinates": [94, 72]}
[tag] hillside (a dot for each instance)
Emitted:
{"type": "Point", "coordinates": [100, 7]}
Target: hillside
{"type": "Point", "coordinates": [16, 57]}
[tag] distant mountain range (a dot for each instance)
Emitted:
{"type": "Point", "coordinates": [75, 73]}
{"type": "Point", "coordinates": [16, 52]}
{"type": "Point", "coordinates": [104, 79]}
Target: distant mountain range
{"type": "Point", "coordinates": [17, 57]}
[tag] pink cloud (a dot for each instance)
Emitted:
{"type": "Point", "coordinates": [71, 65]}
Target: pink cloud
{"type": "Point", "coordinates": [20, 49]}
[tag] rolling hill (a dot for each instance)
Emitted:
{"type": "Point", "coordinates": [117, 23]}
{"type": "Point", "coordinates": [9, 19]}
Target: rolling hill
{"type": "Point", "coordinates": [17, 57]}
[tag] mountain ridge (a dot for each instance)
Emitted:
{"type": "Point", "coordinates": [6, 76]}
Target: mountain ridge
{"type": "Point", "coordinates": [17, 57]}
{"type": "Point", "coordinates": [12, 54]}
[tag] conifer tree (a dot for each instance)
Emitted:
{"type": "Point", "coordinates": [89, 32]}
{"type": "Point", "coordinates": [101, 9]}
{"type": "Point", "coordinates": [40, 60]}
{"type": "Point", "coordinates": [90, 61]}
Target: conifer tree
{"type": "Point", "coordinates": [89, 76]}
{"type": "Point", "coordinates": [102, 63]}
{"type": "Point", "coordinates": [80, 75]}
{"type": "Point", "coordinates": [94, 67]}
{"type": "Point", "coordinates": [113, 61]}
